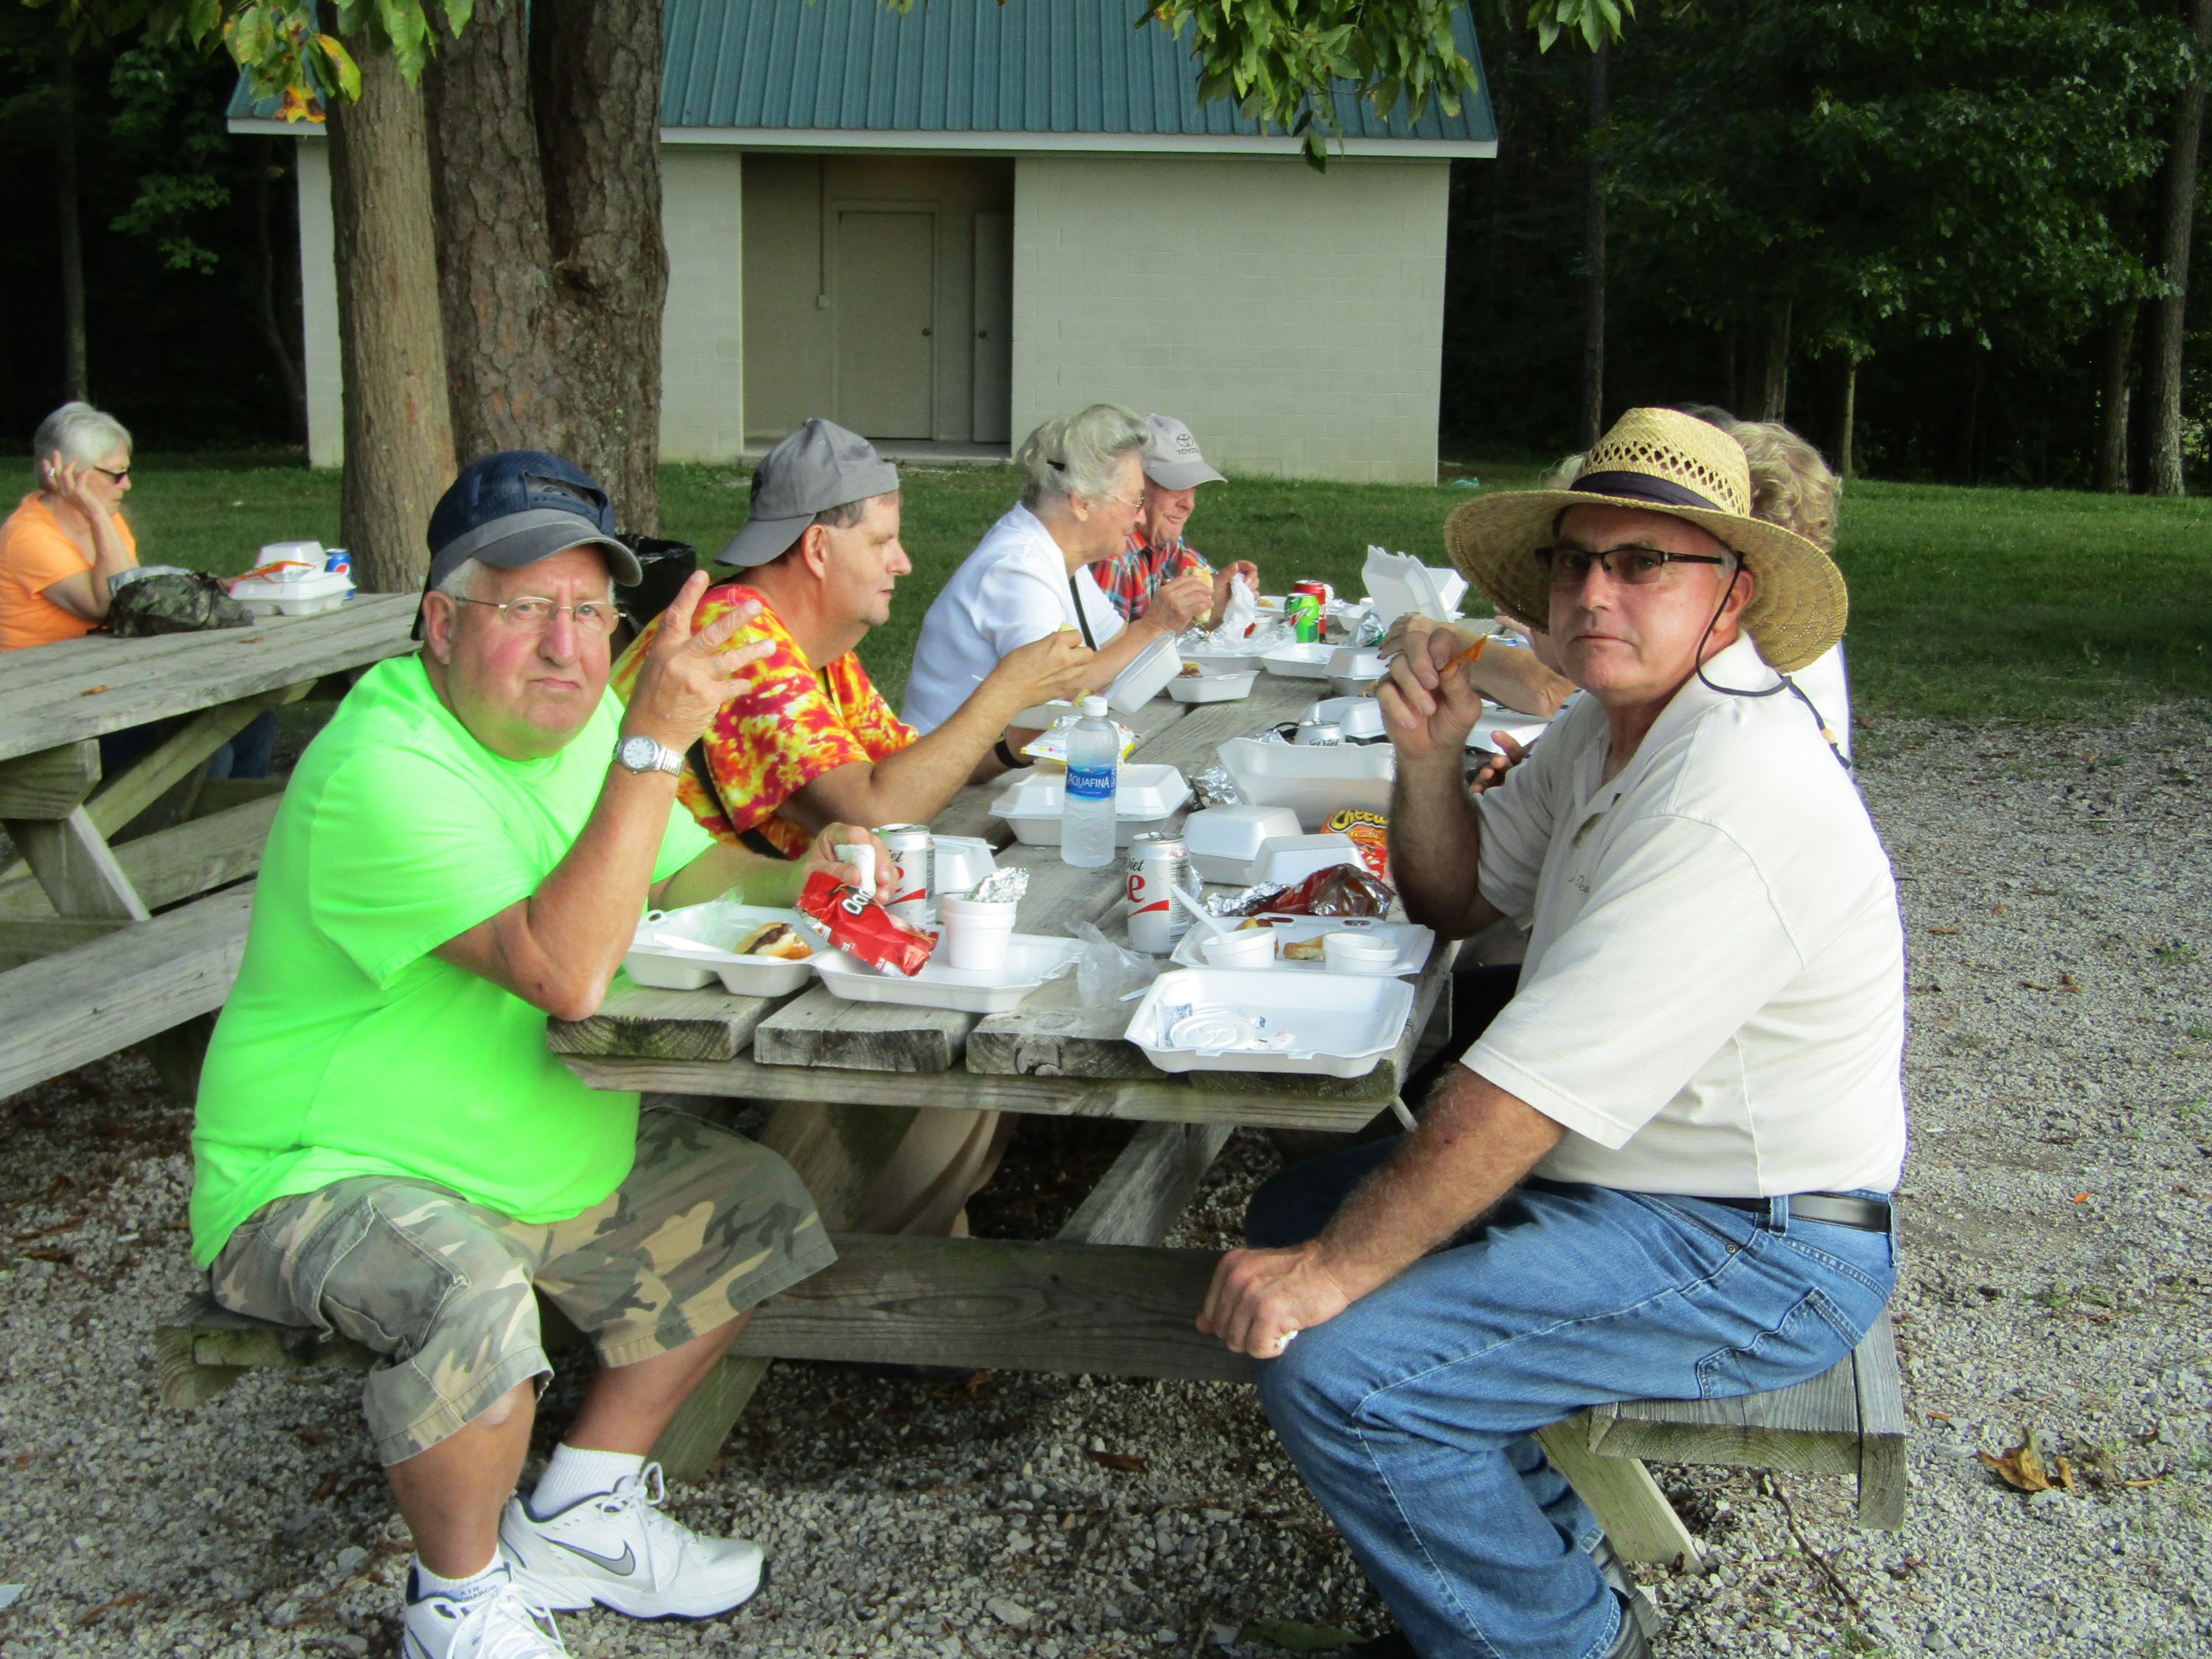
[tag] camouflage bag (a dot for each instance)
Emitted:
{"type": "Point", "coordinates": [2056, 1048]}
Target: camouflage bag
{"type": "Point", "coordinates": [171, 601]}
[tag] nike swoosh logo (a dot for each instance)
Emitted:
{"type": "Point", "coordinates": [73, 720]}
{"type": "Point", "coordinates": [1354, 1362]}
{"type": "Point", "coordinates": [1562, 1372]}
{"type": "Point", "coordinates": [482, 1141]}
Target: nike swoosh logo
{"type": "Point", "coordinates": [622, 1565]}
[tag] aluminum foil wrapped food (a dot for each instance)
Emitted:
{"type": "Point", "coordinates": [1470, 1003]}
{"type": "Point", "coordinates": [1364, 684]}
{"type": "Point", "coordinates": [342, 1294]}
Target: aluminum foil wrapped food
{"type": "Point", "coordinates": [858, 924]}
{"type": "Point", "coordinates": [1343, 889]}
{"type": "Point", "coordinates": [1214, 786]}
{"type": "Point", "coordinates": [1000, 887]}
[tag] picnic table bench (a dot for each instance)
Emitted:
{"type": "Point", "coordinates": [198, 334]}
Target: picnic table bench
{"type": "Point", "coordinates": [85, 967]}
{"type": "Point", "coordinates": [1104, 1297]}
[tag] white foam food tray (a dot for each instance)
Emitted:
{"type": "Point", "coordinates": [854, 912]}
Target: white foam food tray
{"type": "Point", "coordinates": [1236, 1019]}
{"type": "Point", "coordinates": [1412, 944]}
{"type": "Point", "coordinates": [1031, 959]}
{"type": "Point", "coordinates": [1144, 796]}
{"type": "Point", "coordinates": [1214, 688]}
{"type": "Point", "coordinates": [302, 596]}
{"type": "Point", "coordinates": [687, 950]}
{"type": "Point", "coordinates": [1300, 662]}
{"type": "Point", "coordinates": [1141, 681]}
{"type": "Point", "coordinates": [1225, 840]}
{"type": "Point", "coordinates": [1360, 718]}
{"type": "Point", "coordinates": [1523, 729]}
{"type": "Point", "coordinates": [1312, 781]}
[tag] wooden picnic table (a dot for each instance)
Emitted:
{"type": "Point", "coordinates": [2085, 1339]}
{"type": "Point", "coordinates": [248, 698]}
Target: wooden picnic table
{"type": "Point", "coordinates": [85, 968]}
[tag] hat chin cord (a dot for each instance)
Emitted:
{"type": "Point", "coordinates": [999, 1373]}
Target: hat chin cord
{"type": "Point", "coordinates": [1783, 682]}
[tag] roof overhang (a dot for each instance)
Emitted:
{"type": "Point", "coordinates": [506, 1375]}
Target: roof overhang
{"type": "Point", "coordinates": [1006, 143]}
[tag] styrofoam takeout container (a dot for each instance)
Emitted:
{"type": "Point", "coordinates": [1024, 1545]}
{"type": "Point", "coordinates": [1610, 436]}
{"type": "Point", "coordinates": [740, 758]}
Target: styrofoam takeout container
{"type": "Point", "coordinates": [1312, 781]}
{"type": "Point", "coordinates": [1214, 688]}
{"type": "Point", "coordinates": [1229, 1019]}
{"type": "Point", "coordinates": [1412, 944]}
{"type": "Point", "coordinates": [689, 949]}
{"type": "Point", "coordinates": [302, 595]}
{"type": "Point", "coordinates": [1144, 798]}
{"type": "Point", "coordinates": [1307, 661]}
{"type": "Point", "coordinates": [1523, 729]}
{"type": "Point", "coordinates": [1225, 840]}
{"type": "Point", "coordinates": [307, 553]}
{"type": "Point", "coordinates": [1283, 861]}
{"type": "Point", "coordinates": [1360, 719]}
{"type": "Point", "coordinates": [1031, 959]}
{"type": "Point", "coordinates": [1147, 672]}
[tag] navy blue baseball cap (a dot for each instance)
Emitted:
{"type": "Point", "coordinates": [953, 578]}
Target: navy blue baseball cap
{"type": "Point", "coordinates": [519, 506]}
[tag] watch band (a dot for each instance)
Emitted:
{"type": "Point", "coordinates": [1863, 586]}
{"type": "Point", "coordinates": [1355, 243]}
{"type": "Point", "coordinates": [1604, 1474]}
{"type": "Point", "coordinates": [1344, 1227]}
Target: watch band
{"type": "Point", "coordinates": [661, 758]}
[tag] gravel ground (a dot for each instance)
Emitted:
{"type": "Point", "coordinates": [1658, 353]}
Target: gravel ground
{"type": "Point", "coordinates": [2058, 1207]}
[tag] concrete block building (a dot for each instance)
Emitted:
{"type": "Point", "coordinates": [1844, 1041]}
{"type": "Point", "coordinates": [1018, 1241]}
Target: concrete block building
{"type": "Point", "coordinates": [941, 228]}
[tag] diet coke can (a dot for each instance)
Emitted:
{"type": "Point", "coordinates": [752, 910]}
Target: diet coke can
{"type": "Point", "coordinates": [914, 871]}
{"type": "Point", "coordinates": [1158, 862]}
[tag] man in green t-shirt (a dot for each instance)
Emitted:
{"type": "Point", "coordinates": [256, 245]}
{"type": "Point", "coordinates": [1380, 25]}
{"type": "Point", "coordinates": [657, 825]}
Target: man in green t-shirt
{"type": "Point", "coordinates": [385, 1149]}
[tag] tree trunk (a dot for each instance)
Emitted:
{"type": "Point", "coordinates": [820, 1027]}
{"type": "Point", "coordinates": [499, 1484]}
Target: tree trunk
{"type": "Point", "coordinates": [398, 434]}
{"type": "Point", "coordinates": [2117, 349]}
{"type": "Point", "coordinates": [1848, 418]}
{"type": "Point", "coordinates": [1774, 386]}
{"type": "Point", "coordinates": [283, 360]}
{"type": "Point", "coordinates": [1594, 249]}
{"type": "Point", "coordinates": [2176, 222]}
{"type": "Point", "coordinates": [75, 381]}
{"type": "Point", "coordinates": [546, 154]}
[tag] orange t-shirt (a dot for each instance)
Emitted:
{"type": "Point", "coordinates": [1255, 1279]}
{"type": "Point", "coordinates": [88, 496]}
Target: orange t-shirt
{"type": "Point", "coordinates": [35, 553]}
{"type": "Point", "coordinates": [786, 723]}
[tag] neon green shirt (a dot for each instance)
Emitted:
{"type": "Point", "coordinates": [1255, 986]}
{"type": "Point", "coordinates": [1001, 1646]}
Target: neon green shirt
{"type": "Point", "coordinates": [346, 1048]}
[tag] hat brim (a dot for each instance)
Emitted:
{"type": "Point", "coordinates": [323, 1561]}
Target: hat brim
{"type": "Point", "coordinates": [1798, 609]}
{"type": "Point", "coordinates": [1181, 475]}
{"type": "Point", "coordinates": [524, 539]}
{"type": "Point", "coordinates": [759, 540]}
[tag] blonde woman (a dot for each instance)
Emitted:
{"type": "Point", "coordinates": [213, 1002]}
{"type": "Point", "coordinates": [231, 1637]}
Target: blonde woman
{"type": "Point", "coordinates": [1082, 488]}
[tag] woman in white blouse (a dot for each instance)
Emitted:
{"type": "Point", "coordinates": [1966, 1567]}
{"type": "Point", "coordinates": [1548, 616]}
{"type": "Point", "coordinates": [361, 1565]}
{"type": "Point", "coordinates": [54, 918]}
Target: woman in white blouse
{"type": "Point", "coordinates": [1082, 487]}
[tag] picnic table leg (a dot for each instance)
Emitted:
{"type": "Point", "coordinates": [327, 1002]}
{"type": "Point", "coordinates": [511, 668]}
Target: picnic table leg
{"type": "Point", "coordinates": [1623, 1497]}
{"type": "Point", "coordinates": [837, 1151]}
{"type": "Point", "coordinates": [42, 809]}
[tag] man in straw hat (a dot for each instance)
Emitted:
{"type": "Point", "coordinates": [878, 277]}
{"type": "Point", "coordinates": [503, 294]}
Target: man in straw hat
{"type": "Point", "coordinates": [1663, 1169]}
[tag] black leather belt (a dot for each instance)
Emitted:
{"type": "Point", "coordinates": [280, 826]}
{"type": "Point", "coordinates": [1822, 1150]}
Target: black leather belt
{"type": "Point", "coordinates": [1870, 1215]}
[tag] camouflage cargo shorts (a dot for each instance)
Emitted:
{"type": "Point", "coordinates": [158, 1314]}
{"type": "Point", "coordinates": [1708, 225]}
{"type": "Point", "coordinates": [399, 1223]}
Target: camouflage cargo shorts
{"type": "Point", "coordinates": [707, 1224]}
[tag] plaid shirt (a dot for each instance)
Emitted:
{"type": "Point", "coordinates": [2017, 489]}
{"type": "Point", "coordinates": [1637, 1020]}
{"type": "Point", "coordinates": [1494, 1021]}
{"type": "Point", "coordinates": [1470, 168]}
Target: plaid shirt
{"type": "Point", "coordinates": [1130, 578]}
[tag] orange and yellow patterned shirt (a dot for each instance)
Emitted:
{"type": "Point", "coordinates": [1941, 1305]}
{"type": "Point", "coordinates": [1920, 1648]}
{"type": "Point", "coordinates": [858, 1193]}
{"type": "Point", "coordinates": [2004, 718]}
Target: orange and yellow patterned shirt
{"type": "Point", "coordinates": [787, 724]}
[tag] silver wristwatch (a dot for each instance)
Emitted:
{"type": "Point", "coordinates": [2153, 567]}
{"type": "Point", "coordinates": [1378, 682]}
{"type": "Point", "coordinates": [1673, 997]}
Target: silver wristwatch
{"type": "Point", "coordinates": [643, 754]}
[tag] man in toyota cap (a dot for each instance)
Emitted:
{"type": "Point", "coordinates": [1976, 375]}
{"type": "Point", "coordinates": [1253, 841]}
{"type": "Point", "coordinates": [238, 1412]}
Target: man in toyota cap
{"type": "Point", "coordinates": [803, 738]}
{"type": "Point", "coordinates": [385, 1149]}
{"type": "Point", "coordinates": [1157, 552]}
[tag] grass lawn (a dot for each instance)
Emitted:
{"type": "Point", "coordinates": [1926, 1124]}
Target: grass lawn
{"type": "Point", "coordinates": [1966, 604]}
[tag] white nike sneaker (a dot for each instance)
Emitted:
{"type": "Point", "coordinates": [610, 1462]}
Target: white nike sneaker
{"type": "Point", "coordinates": [504, 1622]}
{"type": "Point", "coordinates": [618, 1549]}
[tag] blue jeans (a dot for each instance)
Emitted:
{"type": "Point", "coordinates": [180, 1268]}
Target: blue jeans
{"type": "Point", "coordinates": [1412, 1414]}
{"type": "Point", "coordinates": [246, 756]}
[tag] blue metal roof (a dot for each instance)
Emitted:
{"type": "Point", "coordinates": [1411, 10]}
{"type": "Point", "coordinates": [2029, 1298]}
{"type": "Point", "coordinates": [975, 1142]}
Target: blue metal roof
{"type": "Point", "coordinates": [974, 75]}
{"type": "Point", "coordinates": [1028, 67]}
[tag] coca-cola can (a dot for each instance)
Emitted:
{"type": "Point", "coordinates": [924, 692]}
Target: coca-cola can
{"type": "Point", "coordinates": [1158, 862]}
{"type": "Point", "coordinates": [914, 871]}
{"type": "Point", "coordinates": [1320, 590]}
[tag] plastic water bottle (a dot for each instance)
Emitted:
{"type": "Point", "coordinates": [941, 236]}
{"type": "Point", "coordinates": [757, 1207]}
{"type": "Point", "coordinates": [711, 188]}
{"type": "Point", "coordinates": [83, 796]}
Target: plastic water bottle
{"type": "Point", "coordinates": [1094, 765]}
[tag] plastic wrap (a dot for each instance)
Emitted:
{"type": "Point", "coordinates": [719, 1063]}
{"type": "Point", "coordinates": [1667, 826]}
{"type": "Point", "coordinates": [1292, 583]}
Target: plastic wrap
{"type": "Point", "coordinates": [1105, 972]}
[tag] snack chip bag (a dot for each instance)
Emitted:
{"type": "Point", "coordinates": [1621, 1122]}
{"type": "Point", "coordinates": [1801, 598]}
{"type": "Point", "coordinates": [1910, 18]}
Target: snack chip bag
{"type": "Point", "coordinates": [857, 923]}
{"type": "Point", "coordinates": [1369, 833]}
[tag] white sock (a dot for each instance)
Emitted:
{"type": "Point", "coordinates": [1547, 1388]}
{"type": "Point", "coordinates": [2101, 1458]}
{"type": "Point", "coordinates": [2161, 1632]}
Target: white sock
{"type": "Point", "coordinates": [460, 1589]}
{"type": "Point", "coordinates": [574, 1474]}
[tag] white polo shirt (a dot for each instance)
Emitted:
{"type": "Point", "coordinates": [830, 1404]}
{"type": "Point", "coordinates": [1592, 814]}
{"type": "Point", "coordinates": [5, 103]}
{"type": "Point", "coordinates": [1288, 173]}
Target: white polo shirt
{"type": "Point", "coordinates": [1713, 998]}
{"type": "Point", "coordinates": [1012, 589]}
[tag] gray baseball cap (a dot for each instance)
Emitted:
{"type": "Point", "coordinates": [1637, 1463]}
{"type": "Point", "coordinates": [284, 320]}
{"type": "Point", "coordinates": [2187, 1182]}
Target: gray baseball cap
{"type": "Point", "coordinates": [1171, 457]}
{"type": "Point", "coordinates": [817, 467]}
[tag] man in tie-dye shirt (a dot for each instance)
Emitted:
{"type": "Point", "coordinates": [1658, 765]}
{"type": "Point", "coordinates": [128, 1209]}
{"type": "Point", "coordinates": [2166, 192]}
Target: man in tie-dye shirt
{"type": "Point", "coordinates": [806, 739]}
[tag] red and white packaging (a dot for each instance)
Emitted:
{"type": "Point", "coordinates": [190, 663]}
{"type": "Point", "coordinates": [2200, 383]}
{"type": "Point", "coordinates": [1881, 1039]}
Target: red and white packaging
{"type": "Point", "coordinates": [857, 924]}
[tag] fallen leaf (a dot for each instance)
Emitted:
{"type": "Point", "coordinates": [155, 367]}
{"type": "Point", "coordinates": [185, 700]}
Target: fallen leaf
{"type": "Point", "coordinates": [73, 1223]}
{"type": "Point", "coordinates": [48, 1253]}
{"type": "Point", "coordinates": [1996, 910]}
{"type": "Point", "coordinates": [2067, 982]}
{"type": "Point", "coordinates": [2148, 1479]}
{"type": "Point", "coordinates": [1128, 1463]}
{"type": "Point", "coordinates": [129, 1598]}
{"type": "Point", "coordinates": [20, 1461]}
{"type": "Point", "coordinates": [92, 690]}
{"type": "Point", "coordinates": [2023, 1467]}
{"type": "Point", "coordinates": [1943, 930]}
{"type": "Point", "coordinates": [1937, 1417]}
{"type": "Point", "coordinates": [2081, 1198]}
{"type": "Point", "coordinates": [317, 1436]}
{"type": "Point", "coordinates": [1297, 1638]}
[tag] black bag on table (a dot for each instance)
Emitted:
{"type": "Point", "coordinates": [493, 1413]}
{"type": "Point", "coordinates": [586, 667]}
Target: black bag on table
{"type": "Point", "coordinates": [173, 602]}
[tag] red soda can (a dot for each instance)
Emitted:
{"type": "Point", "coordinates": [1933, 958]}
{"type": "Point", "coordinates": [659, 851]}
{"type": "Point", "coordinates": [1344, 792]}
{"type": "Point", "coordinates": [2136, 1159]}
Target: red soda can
{"type": "Point", "coordinates": [1158, 862]}
{"type": "Point", "coordinates": [914, 862]}
{"type": "Point", "coordinates": [1320, 590]}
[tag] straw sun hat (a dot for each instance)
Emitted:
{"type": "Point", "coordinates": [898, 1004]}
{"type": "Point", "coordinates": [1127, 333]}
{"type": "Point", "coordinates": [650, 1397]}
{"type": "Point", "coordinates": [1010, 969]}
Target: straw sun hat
{"type": "Point", "coordinates": [1663, 461]}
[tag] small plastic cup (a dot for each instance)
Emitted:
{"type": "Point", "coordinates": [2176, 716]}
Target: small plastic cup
{"type": "Point", "coordinates": [976, 934]}
{"type": "Point", "coordinates": [1251, 947]}
{"type": "Point", "coordinates": [1357, 953]}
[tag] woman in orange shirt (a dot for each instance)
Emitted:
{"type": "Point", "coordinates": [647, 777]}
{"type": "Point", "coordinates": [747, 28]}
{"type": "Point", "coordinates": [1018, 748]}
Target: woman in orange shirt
{"type": "Point", "coordinates": [67, 539]}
